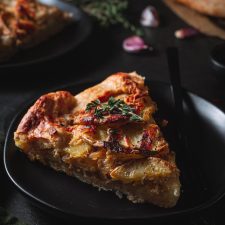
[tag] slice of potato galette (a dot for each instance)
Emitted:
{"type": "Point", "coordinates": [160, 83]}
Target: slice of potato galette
{"type": "Point", "coordinates": [105, 136]}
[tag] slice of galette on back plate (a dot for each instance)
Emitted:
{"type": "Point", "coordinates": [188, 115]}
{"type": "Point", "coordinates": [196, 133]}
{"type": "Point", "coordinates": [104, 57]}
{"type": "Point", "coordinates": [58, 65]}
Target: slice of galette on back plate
{"type": "Point", "coordinates": [26, 23]}
{"type": "Point", "coordinates": [105, 136]}
{"type": "Point", "coordinates": [215, 8]}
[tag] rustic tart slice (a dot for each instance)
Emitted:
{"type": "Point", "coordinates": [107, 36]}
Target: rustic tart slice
{"type": "Point", "coordinates": [105, 136]}
{"type": "Point", "coordinates": [214, 8]}
{"type": "Point", "coordinates": [26, 23]}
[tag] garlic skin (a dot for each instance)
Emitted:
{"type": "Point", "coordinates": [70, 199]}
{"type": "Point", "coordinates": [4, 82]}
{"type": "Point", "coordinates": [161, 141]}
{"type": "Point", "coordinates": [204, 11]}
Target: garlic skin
{"type": "Point", "coordinates": [135, 44]}
{"type": "Point", "coordinates": [150, 17]}
{"type": "Point", "coordinates": [185, 33]}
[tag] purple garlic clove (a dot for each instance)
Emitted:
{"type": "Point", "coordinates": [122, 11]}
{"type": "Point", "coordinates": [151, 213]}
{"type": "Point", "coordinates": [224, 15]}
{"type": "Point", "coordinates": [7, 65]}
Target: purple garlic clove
{"type": "Point", "coordinates": [149, 17]}
{"type": "Point", "coordinates": [135, 44]}
{"type": "Point", "coordinates": [186, 32]}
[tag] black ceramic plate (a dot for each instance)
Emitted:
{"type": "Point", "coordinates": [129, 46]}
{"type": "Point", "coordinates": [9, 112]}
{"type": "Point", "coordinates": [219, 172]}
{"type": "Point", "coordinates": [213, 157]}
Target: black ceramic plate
{"type": "Point", "coordinates": [65, 41]}
{"type": "Point", "coordinates": [202, 166]}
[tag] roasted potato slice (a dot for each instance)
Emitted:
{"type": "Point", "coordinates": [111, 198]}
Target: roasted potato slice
{"type": "Point", "coordinates": [151, 168]}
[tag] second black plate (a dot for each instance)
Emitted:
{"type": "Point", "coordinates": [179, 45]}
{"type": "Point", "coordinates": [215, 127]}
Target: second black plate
{"type": "Point", "coordinates": [202, 166]}
{"type": "Point", "coordinates": [65, 41]}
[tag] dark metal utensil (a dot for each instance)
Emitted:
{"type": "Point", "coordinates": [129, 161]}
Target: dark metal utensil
{"type": "Point", "coordinates": [192, 172]}
{"type": "Point", "coordinates": [174, 73]}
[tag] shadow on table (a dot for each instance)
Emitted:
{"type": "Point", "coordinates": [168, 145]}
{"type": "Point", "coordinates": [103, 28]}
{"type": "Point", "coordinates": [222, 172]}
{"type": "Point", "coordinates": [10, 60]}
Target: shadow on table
{"type": "Point", "coordinates": [70, 67]}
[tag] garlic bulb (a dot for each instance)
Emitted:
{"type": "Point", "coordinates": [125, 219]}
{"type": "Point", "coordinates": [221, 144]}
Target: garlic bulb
{"type": "Point", "coordinates": [149, 17]}
{"type": "Point", "coordinates": [186, 32]}
{"type": "Point", "coordinates": [135, 44]}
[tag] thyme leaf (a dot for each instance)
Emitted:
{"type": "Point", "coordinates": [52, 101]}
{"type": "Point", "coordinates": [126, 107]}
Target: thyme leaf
{"type": "Point", "coordinates": [113, 106]}
{"type": "Point", "coordinates": [92, 104]}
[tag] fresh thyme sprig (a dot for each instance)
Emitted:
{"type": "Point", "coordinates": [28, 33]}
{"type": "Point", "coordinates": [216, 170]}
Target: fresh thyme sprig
{"type": "Point", "coordinates": [113, 106]}
{"type": "Point", "coordinates": [92, 104]}
{"type": "Point", "coordinates": [108, 12]}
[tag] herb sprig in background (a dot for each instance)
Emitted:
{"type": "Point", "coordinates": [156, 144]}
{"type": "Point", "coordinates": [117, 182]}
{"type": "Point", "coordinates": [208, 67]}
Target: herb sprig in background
{"type": "Point", "coordinates": [108, 12]}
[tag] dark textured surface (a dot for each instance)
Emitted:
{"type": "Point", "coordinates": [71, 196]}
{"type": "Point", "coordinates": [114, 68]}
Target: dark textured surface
{"type": "Point", "coordinates": [100, 56]}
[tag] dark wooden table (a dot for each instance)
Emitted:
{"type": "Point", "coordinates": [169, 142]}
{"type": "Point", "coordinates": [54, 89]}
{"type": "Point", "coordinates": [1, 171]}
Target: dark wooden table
{"type": "Point", "coordinates": [100, 56]}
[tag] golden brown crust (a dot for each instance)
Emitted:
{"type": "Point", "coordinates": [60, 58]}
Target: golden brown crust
{"type": "Point", "coordinates": [116, 152]}
{"type": "Point", "coordinates": [117, 84]}
{"type": "Point", "coordinates": [210, 7]}
{"type": "Point", "coordinates": [26, 23]}
{"type": "Point", "coordinates": [46, 108]}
